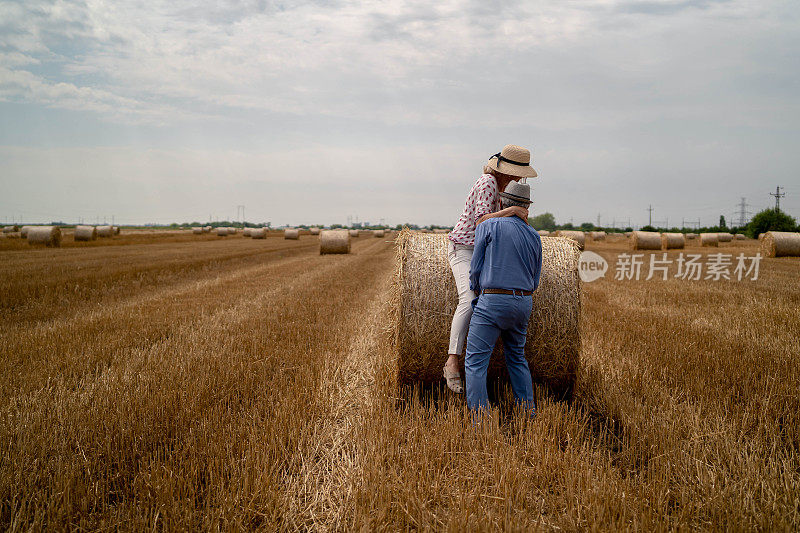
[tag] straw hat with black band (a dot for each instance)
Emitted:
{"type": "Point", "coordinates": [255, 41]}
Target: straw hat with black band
{"type": "Point", "coordinates": [513, 160]}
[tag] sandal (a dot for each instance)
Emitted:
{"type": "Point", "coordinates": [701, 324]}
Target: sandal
{"type": "Point", "coordinates": [453, 381]}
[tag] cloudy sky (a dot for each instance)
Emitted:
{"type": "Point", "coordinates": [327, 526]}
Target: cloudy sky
{"type": "Point", "coordinates": [307, 112]}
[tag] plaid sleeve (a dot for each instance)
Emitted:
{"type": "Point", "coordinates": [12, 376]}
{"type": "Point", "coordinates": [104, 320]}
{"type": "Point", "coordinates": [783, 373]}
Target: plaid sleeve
{"type": "Point", "coordinates": [485, 196]}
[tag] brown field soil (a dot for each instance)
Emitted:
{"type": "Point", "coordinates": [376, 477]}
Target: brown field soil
{"type": "Point", "coordinates": [208, 383]}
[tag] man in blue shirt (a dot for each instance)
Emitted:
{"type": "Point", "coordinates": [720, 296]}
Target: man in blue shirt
{"type": "Point", "coordinates": [504, 272]}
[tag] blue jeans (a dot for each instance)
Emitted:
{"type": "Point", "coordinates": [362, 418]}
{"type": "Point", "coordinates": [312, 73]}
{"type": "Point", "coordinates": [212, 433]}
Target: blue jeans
{"type": "Point", "coordinates": [505, 316]}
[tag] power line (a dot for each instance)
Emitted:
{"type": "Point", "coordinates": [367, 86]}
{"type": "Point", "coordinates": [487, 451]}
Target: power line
{"type": "Point", "coordinates": [778, 195]}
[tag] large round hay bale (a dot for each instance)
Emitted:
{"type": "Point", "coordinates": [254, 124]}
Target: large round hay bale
{"type": "Point", "coordinates": [246, 232]}
{"type": "Point", "coordinates": [628, 234]}
{"type": "Point", "coordinates": [671, 241]}
{"type": "Point", "coordinates": [222, 232]}
{"type": "Point", "coordinates": [197, 231]}
{"type": "Point", "coordinates": [691, 235]}
{"type": "Point", "coordinates": [780, 244]}
{"type": "Point", "coordinates": [709, 239]}
{"type": "Point", "coordinates": [761, 236]}
{"type": "Point", "coordinates": [47, 235]}
{"type": "Point", "coordinates": [314, 231]}
{"type": "Point", "coordinates": [428, 297]}
{"type": "Point", "coordinates": [105, 231]}
{"type": "Point", "coordinates": [724, 237]}
{"type": "Point", "coordinates": [543, 233]}
{"type": "Point", "coordinates": [24, 231]}
{"type": "Point", "coordinates": [598, 235]}
{"type": "Point", "coordinates": [380, 233]}
{"type": "Point", "coordinates": [207, 229]}
{"type": "Point", "coordinates": [334, 241]}
{"type": "Point", "coordinates": [11, 229]}
{"type": "Point", "coordinates": [354, 233]}
{"type": "Point", "coordinates": [646, 240]}
{"type": "Point", "coordinates": [577, 236]}
{"type": "Point", "coordinates": [293, 234]}
{"type": "Point", "coordinates": [739, 237]}
{"type": "Point", "coordinates": [258, 233]}
{"type": "Point", "coordinates": [85, 233]}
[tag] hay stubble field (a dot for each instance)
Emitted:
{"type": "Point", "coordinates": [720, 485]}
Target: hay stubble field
{"type": "Point", "coordinates": [234, 383]}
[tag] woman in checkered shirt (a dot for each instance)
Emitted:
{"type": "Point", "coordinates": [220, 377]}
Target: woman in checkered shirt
{"type": "Point", "coordinates": [483, 202]}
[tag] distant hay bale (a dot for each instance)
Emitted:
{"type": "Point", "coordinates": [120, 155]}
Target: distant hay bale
{"type": "Point", "coordinates": [739, 237]}
{"type": "Point", "coordinates": [24, 231]}
{"type": "Point", "coordinates": [105, 231]}
{"type": "Point", "coordinates": [222, 232]}
{"type": "Point", "coordinates": [781, 244]}
{"type": "Point", "coordinates": [207, 229]}
{"type": "Point", "coordinates": [354, 233]}
{"type": "Point", "coordinates": [11, 229]}
{"type": "Point", "coordinates": [85, 233]}
{"type": "Point", "coordinates": [709, 239]}
{"type": "Point", "coordinates": [197, 231]}
{"type": "Point", "coordinates": [427, 298]}
{"type": "Point", "coordinates": [246, 232]}
{"type": "Point", "coordinates": [691, 235]}
{"type": "Point", "coordinates": [646, 240]}
{"type": "Point", "coordinates": [380, 233]}
{"type": "Point", "coordinates": [334, 241]}
{"type": "Point", "coordinates": [117, 230]}
{"type": "Point", "coordinates": [628, 234]}
{"type": "Point", "coordinates": [47, 235]}
{"type": "Point", "coordinates": [293, 234]}
{"type": "Point", "coordinates": [671, 241]}
{"type": "Point", "coordinates": [314, 231]}
{"type": "Point", "coordinates": [724, 237]}
{"type": "Point", "coordinates": [598, 235]}
{"type": "Point", "coordinates": [761, 236]}
{"type": "Point", "coordinates": [577, 236]}
{"type": "Point", "coordinates": [258, 233]}
{"type": "Point", "coordinates": [543, 233]}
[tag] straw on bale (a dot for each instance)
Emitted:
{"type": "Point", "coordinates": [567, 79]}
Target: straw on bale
{"type": "Point", "coordinates": [47, 235]}
{"type": "Point", "coordinates": [258, 233]}
{"type": "Point", "coordinates": [598, 235]}
{"type": "Point", "coordinates": [670, 241]}
{"type": "Point", "coordinates": [334, 241]}
{"type": "Point", "coordinates": [11, 229]}
{"type": "Point", "coordinates": [724, 237]}
{"type": "Point", "coordinates": [105, 231]}
{"type": "Point", "coordinates": [427, 298]}
{"type": "Point", "coordinates": [293, 234]}
{"type": "Point", "coordinates": [314, 231]}
{"type": "Point", "coordinates": [222, 232]}
{"type": "Point", "coordinates": [709, 239]}
{"type": "Point", "coordinates": [354, 233]}
{"type": "Point", "coordinates": [740, 237]}
{"type": "Point", "coordinates": [691, 235]}
{"type": "Point", "coordinates": [781, 244]}
{"type": "Point", "coordinates": [646, 240]}
{"type": "Point", "coordinates": [24, 231]}
{"type": "Point", "coordinates": [380, 233]}
{"type": "Point", "coordinates": [197, 231]}
{"type": "Point", "coordinates": [543, 233]}
{"type": "Point", "coordinates": [577, 236]}
{"type": "Point", "coordinates": [85, 233]}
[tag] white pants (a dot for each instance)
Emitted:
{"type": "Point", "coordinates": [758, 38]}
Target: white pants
{"type": "Point", "coordinates": [460, 257]}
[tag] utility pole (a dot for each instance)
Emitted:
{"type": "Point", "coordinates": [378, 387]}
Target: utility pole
{"type": "Point", "coordinates": [778, 195]}
{"type": "Point", "coordinates": [650, 210]}
{"type": "Point", "coordinates": [598, 220]}
{"type": "Point", "coordinates": [698, 223]}
{"type": "Point", "coordinates": [238, 207]}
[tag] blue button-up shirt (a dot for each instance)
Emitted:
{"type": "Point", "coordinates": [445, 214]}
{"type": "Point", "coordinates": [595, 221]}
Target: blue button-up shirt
{"type": "Point", "coordinates": [507, 255]}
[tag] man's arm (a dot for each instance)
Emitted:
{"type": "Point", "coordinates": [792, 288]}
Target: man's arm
{"type": "Point", "coordinates": [482, 238]}
{"type": "Point", "coordinates": [538, 272]}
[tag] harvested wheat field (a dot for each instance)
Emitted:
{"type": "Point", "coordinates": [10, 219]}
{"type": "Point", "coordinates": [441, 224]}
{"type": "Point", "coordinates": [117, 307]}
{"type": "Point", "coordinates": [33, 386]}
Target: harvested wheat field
{"type": "Point", "coordinates": [192, 382]}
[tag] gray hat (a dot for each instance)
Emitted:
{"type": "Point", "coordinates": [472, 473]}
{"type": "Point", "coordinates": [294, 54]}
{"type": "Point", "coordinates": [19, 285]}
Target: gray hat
{"type": "Point", "coordinates": [519, 192]}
